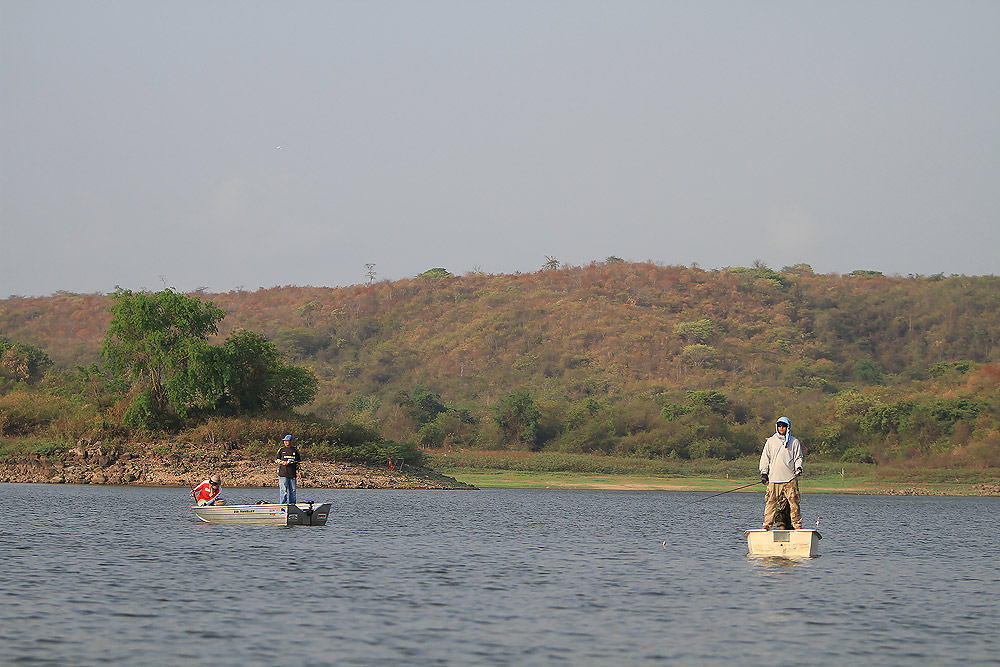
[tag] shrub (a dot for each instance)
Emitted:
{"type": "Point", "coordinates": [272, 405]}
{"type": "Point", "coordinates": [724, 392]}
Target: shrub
{"type": "Point", "coordinates": [370, 453]}
{"type": "Point", "coordinates": [674, 411]}
{"type": "Point", "coordinates": [886, 419]}
{"type": "Point", "coordinates": [857, 455]}
{"type": "Point", "coordinates": [714, 448]}
{"type": "Point", "coordinates": [27, 412]}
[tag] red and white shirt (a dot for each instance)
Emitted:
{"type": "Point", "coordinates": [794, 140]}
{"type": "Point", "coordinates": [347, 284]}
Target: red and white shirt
{"type": "Point", "coordinates": [203, 493]}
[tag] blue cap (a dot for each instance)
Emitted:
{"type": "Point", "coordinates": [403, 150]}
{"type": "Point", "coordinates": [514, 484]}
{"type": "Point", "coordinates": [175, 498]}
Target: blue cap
{"type": "Point", "coordinates": [287, 438]}
{"type": "Point", "coordinates": [784, 420]}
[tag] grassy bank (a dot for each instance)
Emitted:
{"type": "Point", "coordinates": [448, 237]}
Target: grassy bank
{"type": "Point", "coordinates": [581, 471]}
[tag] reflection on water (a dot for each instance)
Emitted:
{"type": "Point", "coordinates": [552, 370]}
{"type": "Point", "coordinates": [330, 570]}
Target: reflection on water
{"type": "Point", "coordinates": [115, 575]}
{"type": "Point", "coordinates": [780, 561]}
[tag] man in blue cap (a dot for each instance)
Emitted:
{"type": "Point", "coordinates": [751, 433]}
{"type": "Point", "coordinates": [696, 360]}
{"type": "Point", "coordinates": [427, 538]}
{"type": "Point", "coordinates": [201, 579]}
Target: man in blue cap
{"type": "Point", "coordinates": [288, 463]}
{"type": "Point", "coordinates": [780, 466]}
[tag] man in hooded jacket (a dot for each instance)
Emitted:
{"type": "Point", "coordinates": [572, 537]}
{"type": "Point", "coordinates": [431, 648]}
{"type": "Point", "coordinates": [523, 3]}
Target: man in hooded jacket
{"type": "Point", "coordinates": [780, 466]}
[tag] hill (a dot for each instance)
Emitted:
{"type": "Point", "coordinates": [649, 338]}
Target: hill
{"type": "Point", "coordinates": [625, 358]}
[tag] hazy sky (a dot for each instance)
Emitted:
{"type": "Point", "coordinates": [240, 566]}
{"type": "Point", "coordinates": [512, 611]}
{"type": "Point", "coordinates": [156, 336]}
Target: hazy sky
{"type": "Point", "coordinates": [140, 139]}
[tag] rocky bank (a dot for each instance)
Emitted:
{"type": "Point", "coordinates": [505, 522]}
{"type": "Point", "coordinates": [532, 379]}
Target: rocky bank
{"type": "Point", "coordinates": [95, 464]}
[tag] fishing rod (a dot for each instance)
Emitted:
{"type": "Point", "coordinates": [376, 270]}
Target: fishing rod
{"type": "Point", "coordinates": [725, 492]}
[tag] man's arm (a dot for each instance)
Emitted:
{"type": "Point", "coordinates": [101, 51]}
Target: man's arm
{"type": "Point", "coordinates": [765, 460]}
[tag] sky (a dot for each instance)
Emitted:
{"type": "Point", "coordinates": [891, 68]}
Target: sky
{"type": "Point", "coordinates": [221, 145]}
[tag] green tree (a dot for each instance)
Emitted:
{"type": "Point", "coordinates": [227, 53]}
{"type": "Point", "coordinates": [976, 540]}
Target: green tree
{"type": "Point", "coordinates": [867, 371]}
{"type": "Point", "coordinates": [709, 398]}
{"type": "Point", "coordinates": [518, 417]}
{"type": "Point", "coordinates": [885, 419]}
{"type": "Point", "coordinates": [800, 269]}
{"type": "Point", "coordinates": [436, 273]}
{"type": "Point", "coordinates": [157, 343]}
{"type": "Point", "coordinates": [760, 272]}
{"type": "Point", "coordinates": [19, 361]}
{"type": "Point", "coordinates": [424, 405]}
{"type": "Point", "coordinates": [255, 379]}
{"type": "Point", "coordinates": [291, 387]}
{"type": "Point", "coordinates": [674, 411]}
{"type": "Point", "coordinates": [700, 331]}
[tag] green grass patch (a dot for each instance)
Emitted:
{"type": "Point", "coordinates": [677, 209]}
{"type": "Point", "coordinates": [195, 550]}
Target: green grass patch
{"type": "Point", "coordinates": [550, 462]}
{"type": "Point", "coordinates": [552, 470]}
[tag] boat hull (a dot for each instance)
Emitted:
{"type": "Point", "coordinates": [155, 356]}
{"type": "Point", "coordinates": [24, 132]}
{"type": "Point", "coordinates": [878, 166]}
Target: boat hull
{"type": "Point", "coordinates": [270, 514]}
{"type": "Point", "coordinates": [786, 543]}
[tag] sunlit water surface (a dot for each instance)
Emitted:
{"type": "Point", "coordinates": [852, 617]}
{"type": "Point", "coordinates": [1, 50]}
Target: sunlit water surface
{"type": "Point", "coordinates": [119, 575]}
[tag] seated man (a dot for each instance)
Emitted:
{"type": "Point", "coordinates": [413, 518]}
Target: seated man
{"type": "Point", "coordinates": [207, 493]}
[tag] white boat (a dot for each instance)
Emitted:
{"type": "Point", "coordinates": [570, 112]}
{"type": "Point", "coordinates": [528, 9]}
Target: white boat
{"type": "Point", "coordinates": [787, 543]}
{"type": "Point", "coordinates": [273, 514]}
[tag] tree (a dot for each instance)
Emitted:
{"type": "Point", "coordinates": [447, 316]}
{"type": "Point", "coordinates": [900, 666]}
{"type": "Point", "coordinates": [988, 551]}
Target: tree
{"type": "Point", "coordinates": [700, 331]}
{"type": "Point", "coordinates": [302, 342]}
{"type": "Point", "coordinates": [698, 355]}
{"type": "Point", "coordinates": [709, 398]}
{"type": "Point", "coordinates": [437, 273]}
{"type": "Point", "coordinates": [158, 344]}
{"type": "Point", "coordinates": [800, 269]}
{"type": "Point", "coordinates": [19, 361]}
{"type": "Point", "coordinates": [424, 405]}
{"type": "Point", "coordinates": [290, 387]}
{"type": "Point", "coordinates": [255, 379]}
{"type": "Point", "coordinates": [867, 371]}
{"type": "Point", "coordinates": [517, 415]}
{"type": "Point", "coordinates": [551, 263]}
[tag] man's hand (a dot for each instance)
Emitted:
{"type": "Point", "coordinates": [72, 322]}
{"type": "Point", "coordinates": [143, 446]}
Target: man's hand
{"type": "Point", "coordinates": [763, 478]}
{"type": "Point", "coordinates": [798, 471]}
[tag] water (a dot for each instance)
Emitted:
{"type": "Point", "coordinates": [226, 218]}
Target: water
{"type": "Point", "coordinates": [118, 575]}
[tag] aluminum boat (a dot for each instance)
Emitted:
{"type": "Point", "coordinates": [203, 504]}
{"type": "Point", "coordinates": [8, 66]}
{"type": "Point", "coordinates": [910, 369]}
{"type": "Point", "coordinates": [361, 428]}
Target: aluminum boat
{"type": "Point", "coordinates": [787, 543]}
{"type": "Point", "coordinates": [273, 514]}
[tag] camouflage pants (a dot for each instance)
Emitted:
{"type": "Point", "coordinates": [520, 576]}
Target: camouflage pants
{"type": "Point", "coordinates": [790, 492]}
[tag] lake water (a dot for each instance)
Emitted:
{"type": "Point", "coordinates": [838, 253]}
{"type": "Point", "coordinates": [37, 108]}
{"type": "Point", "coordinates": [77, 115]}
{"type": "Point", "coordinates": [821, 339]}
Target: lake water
{"type": "Point", "coordinates": [118, 575]}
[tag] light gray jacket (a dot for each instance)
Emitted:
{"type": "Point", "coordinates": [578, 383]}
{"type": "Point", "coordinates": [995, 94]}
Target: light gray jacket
{"type": "Point", "coordinates": [780, 459]}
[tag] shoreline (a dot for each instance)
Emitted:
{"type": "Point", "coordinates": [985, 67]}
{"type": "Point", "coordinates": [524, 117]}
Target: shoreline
{"type": "Point", "coordinates": [584, 481]}
{"type": "Point", "coordinates": [104, 468]}
{"type": "Point", "coordinates": [98, 466]}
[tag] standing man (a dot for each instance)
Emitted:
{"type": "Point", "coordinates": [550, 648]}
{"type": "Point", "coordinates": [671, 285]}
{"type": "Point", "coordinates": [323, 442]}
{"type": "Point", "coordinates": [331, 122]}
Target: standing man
{"type": "Point", "coordinates": [288, 463]}
{"type": "Point", "coordinates": [780, 466]}
{"type": "Point", "coordinates": [207, 493]}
